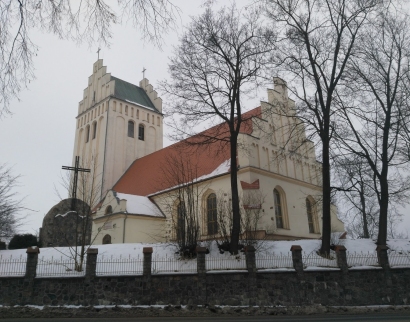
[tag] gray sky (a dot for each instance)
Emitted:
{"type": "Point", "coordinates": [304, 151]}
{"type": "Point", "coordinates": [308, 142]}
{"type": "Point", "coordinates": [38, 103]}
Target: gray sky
{"type": "Point", "coordinates": [39, 138]}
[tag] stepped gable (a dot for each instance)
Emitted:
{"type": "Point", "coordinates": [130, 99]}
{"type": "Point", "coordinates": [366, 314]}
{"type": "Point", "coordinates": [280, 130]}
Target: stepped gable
{"type": "Point", "coordinates": [145, 176]}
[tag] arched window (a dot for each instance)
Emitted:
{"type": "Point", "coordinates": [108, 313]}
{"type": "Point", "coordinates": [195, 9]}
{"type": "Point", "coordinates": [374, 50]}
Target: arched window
{"type": "Point", "coordinates": [141, 130]}
{"type": "Point", "coordinates": [148, 117]}
{"type": "Point", "coordinates": [311, 216]}
{"type": "Point", "coordinates": [211, 214]}
{"type": "Point", "coordinates": [106, 239]}
{"type": "Point", "coordinates": [181, 216]}
{"type": "Point", "coordinates": [280, 208]}
{"type": "Point", "coordinates": [153, 118]}
{"type": "Point", "coordinates": [108, 210]}
{"type": "Point", "coordinates": [87, 134]}
{"type": "Point", "coordinates": [138, 114]}
{"type": "Point", "coordinates": [130, 129]}
{"type": "Point", "coordinates": [126, 109]}
{"type": "Point", "coordinates": [94, 130]}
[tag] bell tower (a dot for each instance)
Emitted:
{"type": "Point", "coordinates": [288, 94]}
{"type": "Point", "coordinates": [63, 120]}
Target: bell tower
{"type": "Point", "coordinates": [117, 122]}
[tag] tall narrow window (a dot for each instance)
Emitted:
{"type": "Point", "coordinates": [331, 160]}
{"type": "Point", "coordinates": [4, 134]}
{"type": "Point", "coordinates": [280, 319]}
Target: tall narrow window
{"type": "Point", "coordinates": [87, 134]}
{"type": "Point", "coordinates": [181, 215]}
{"type": "Point", "coordinates": [153, 118]}
{"type": "Point", "coordinates": [310, 216]}
{"type": "Point", "coordinates": [141, 132]}
{"type": "Point", "coordinates": [138, 114]}
{"type": "Point", "coordinates": [278, 209]}
{"type": "Point", "coordinates": [126, 109]}
{"type": "Point", "coordinates": [211, 212]}
{"type": "Point", "coordinates": [130, 129]}
{"type": "Point", "coordinates": [94, 130]}
{"type": "Point", "coordinates": [148, 117]}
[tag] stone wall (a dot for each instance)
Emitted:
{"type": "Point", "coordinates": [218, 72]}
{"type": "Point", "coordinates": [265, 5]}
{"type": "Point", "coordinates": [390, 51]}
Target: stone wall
{"type": "Point", "coordinates": [288, 288]}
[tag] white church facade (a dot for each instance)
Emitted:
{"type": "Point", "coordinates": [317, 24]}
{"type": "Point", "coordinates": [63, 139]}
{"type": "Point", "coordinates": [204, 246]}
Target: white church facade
{"type": "Point", "coordinates": [120, 128]}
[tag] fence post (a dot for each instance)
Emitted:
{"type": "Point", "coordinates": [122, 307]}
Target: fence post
{"type": "Point", "coordinates": [297, 258]}
{"type": "Point", "coordinates": [250, 259]}
{"type": "Point", "coordinates": [382, 256]}
{"type": "Point", "coordinates": [146, 276]}
{"type": "Point", "coordinates": [201, 269]}
{"type": "Point", "coordinates": [91, 264]}
{"type": "Point", "coordinates": [32, 259]}
{"type": "Point", "coordinates": [146, 268]}
{"type": "Point", "coordinates": [341, 258]}
{"type": "Point", "coordinates": [200, 257]}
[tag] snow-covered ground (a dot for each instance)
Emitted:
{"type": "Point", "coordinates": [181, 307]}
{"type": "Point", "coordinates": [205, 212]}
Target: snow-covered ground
{"type": "Point", "coordinates": [126, 259]}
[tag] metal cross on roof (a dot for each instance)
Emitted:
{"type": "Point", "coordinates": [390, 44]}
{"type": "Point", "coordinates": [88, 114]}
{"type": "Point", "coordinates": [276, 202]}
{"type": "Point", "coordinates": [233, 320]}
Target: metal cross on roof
{"type": "Point", "coordinates": [143, 72]}
{"type": "Point", "coordinates": [76, 169]}
{"type": "Point", "coordinates": [98, 52]}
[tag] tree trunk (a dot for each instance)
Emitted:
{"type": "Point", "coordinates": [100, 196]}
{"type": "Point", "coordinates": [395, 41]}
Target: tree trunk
{"type": "Point", "coordinates": [364, 214]}
{"type": "Point", "coordinates": [236, 215]}
{"type": "Point", "coordinates": [384, 205]}
{"type": "Point", "coordinates": [326, 225]}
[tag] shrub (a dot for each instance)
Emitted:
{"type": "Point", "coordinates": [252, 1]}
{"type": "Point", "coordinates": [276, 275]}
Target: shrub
{"type": "Point", "coordinates": [23, 241]}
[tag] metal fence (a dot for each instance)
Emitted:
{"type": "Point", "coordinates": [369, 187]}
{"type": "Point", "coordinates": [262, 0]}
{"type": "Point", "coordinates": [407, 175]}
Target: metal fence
{"type": "Point", "coordinates": [13, 266]}
{"type": "Point", "coordinates": [119, 266]}
{"type": "Point", "coordinates": [362, 259]}
{"type": "Point", "coordinates": [172, 264]}
{"type": "Point", "coordinates": [274, 261]}
{"type": "Point", "coordinates": [231, 263]}
{"type": "Point", "coordinates": [64, 267]}
{"type": "Point", "coordinates": [397, 259]}
{"type": "Point", "coordinates": [314, 260]}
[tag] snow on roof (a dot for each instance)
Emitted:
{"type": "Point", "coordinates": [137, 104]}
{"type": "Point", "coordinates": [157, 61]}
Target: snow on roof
{"type": "Point", "coordinates": [140, 205]}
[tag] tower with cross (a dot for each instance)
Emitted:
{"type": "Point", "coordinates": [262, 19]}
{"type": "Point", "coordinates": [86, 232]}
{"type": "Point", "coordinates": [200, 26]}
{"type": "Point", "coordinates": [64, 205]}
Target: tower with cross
{"type": "Point", "coordinates": [117, 122]}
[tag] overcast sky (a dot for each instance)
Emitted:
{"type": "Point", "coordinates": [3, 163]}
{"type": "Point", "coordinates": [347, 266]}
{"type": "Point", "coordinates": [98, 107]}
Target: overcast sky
{"type": "Point", "coordinates": [39, 137]}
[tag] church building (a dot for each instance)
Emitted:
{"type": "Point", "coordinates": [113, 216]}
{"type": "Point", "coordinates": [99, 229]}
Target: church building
{"type": "Point", "coordinates": [119, 132]}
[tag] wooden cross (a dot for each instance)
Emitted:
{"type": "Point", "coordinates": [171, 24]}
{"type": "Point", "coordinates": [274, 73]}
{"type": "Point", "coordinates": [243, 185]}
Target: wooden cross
{"type": "Point", "coordinates": [76, 169]}
{"type": "Point", "coordinates": [143, 72]}
{"type": "Point", "coordinates": [98, 52]}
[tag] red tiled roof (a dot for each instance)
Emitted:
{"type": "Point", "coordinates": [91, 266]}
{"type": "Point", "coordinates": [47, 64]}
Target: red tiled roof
{"type": "Point", "coordinates": [181, 162]}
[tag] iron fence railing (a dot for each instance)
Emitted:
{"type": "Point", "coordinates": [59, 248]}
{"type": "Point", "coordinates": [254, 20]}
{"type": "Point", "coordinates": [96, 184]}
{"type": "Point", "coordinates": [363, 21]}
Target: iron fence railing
{"type": "Point", "coordinates": [64, 267]}
{"type": "Point", "coordinates": [397, 259]}
{"type": "Point", "coordinates": [274, 261]}
{"type": "Point", "coordinates": [230, 263]}
{"type": "Point", "coordinates": [119, 266]}
{"type": "Point", "coordinates": [172, 264]}
{"type": "Point", "coordinates": [314, 260]}
{"type": "Point", "coordinates": [10, 266]}
{"type": "Point", "coordinates": [361, 259]}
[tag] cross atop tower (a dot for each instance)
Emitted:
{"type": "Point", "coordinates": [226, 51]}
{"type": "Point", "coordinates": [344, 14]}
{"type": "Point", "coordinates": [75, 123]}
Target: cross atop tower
{"type": "Point", "coordinates": [98, 52]}
{"type": "Point", "coordinates": [143, 72]}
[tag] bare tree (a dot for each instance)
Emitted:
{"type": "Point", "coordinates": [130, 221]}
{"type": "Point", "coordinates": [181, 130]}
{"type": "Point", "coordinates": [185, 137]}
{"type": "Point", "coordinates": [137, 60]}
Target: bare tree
{"type": "Point", "coordinates": [183, 201]}
{"type": "Point", "coordinates": [251, 214]}
{"type": "Point", "coordinates": [359, 202]}
{"type": "Point", "coordinates": [221, 58]}
{"type": "Point", "coordinates": [374, 107]}
{"type": "Point", "coordinates": [88, 21]}
{"type": "Point", "coordinates": [10, 204]}
{"type": "Point", "coordinates": [317, 41]}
